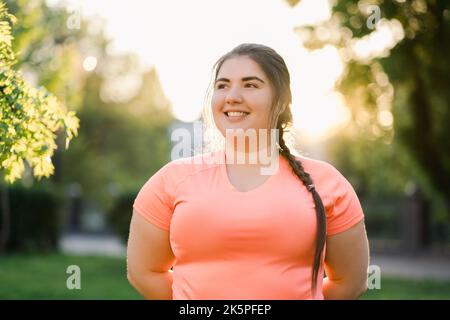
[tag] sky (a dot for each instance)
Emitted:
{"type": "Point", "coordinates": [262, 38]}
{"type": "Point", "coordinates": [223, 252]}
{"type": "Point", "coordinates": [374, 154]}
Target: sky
{"type": "Point", "coordinates": [183, 39]}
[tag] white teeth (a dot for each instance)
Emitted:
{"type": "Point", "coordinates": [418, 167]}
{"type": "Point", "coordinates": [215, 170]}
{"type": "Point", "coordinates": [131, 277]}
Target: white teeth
{"type": "Point", "coordinates": [236, 114]}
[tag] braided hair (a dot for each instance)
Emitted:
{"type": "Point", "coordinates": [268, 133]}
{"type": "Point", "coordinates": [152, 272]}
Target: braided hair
{"type": "Point", "coordinates": [277, 72]}
{"type": "Point", "coordinates": [299, 171]}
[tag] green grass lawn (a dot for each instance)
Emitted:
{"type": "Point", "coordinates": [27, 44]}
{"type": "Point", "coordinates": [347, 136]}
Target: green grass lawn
{"type": "Point", "coordinates": [394, 288]}
{"type": "Point", "coordinates": [44, 277]}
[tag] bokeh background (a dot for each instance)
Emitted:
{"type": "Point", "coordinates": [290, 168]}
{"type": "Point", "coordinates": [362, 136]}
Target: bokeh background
{"type": "Point", "coordinates": [91, 91]}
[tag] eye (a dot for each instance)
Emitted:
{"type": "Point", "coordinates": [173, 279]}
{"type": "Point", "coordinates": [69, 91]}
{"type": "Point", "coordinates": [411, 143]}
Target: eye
{"type": "Point", "coordinates": [220, 86]}
{"type": "Point", "coordinates": [249, 85]}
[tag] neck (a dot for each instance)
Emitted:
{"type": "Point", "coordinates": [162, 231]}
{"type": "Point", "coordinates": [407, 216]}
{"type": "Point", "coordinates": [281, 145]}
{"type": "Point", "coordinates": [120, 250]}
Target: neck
{"type": "Point", "coordinates": [260, 157]}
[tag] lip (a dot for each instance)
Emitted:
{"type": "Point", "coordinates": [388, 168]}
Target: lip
{"type": "Point", "coordinates": [236, 110]}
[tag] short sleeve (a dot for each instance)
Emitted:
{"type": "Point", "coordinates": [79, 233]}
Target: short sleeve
{"type": "Point", "coordinates": [346, 210]}
{"type": "Point", "coordinates": [154, 200]}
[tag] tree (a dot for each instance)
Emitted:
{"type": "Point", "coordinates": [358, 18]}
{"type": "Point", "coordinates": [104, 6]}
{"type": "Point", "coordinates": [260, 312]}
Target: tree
{"type": "Point", "coordinates": [407, 79]}
{"type": "Point", "coordinates": [121, 143]}
{"type": "Point", "coordinates": [52, 50]}
{"type": "Point", "coordinates": [29, 117]}
{"type": "Point", "coordinates": [29, 121]}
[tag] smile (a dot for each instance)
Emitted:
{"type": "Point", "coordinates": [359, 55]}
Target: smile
{"type": "Point", "coordinates": [236, 115]}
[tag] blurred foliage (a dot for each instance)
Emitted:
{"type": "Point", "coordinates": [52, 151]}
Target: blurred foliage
{"type": "Point", "coordinates": [29, 117]}
{"type": "Point", "coordinates": [36, 223]}
{"type": "Point", "coordinates": [407, 79]}
{"type": "Point", "coordinates": [120, 215]}
{"type": "Point", "coordinates": [120, 145]}
{"type": "Point", "coordinates": [51, 52]}
{"type": "Point", "coordinates": [124, 115]}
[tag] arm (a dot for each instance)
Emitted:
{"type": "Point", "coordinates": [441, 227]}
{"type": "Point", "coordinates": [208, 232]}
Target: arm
{"type": "Point", "coordinates": [149, 258]}
{"type": "Point", "coordinates": [346, 263]}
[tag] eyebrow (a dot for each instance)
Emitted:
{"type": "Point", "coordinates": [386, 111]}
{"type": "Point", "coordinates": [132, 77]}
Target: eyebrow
{"type": "Point", "coordinates": [243, 79]}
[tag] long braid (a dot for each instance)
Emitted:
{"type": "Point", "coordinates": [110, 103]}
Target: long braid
{"type": "Point", "coordinates": [299, 171]}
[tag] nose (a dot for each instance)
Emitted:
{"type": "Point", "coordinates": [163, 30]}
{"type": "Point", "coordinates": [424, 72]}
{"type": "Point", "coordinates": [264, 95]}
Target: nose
{"type": "Point", "coordinates": [233, 96]}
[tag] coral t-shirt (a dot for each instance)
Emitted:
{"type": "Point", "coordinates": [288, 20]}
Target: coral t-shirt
{"type": "Point", "coordinates": [256, 244]}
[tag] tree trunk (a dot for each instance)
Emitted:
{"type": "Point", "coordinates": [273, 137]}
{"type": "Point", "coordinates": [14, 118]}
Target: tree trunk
{"type": "Point", "coordinates": [421, 143]}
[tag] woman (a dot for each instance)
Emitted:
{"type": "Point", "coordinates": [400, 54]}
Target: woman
{"type": "Point", "coordinates": [231, 232]}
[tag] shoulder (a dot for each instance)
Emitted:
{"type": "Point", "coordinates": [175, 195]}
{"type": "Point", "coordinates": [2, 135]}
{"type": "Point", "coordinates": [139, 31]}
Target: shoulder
{"type": "Point", "coordinates": [177, 170]}
{"type": "Point", "coordinates": [319, 169]}
{"type": "Point", "coordinates": [326, 177]}
{"type": "Point", "coordinates": [337, 193]}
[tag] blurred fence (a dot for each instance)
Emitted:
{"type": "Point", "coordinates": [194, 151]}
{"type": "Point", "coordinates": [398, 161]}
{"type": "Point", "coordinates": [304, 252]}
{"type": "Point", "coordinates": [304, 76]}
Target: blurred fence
{"type": "Point", "coordinates": [410, 224]}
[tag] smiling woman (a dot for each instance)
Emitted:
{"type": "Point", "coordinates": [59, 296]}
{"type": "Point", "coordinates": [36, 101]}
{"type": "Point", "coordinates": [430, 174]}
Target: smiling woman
{"type": "Point", "coordinates": [235, 114]}
{"type": "Point", "coordinates": [231, 91]}
{"type": "Point", "coordinates": [230, 232]}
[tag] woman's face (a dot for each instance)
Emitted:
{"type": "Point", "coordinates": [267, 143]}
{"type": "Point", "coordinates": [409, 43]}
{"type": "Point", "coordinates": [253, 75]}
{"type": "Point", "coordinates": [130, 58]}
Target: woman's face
{"type": "Point", "coordinates": [243, 88]}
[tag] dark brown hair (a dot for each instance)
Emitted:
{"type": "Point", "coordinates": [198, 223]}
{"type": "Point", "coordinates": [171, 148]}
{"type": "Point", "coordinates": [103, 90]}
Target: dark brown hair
{"type": "Point", "coordinates": [277, 72]}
